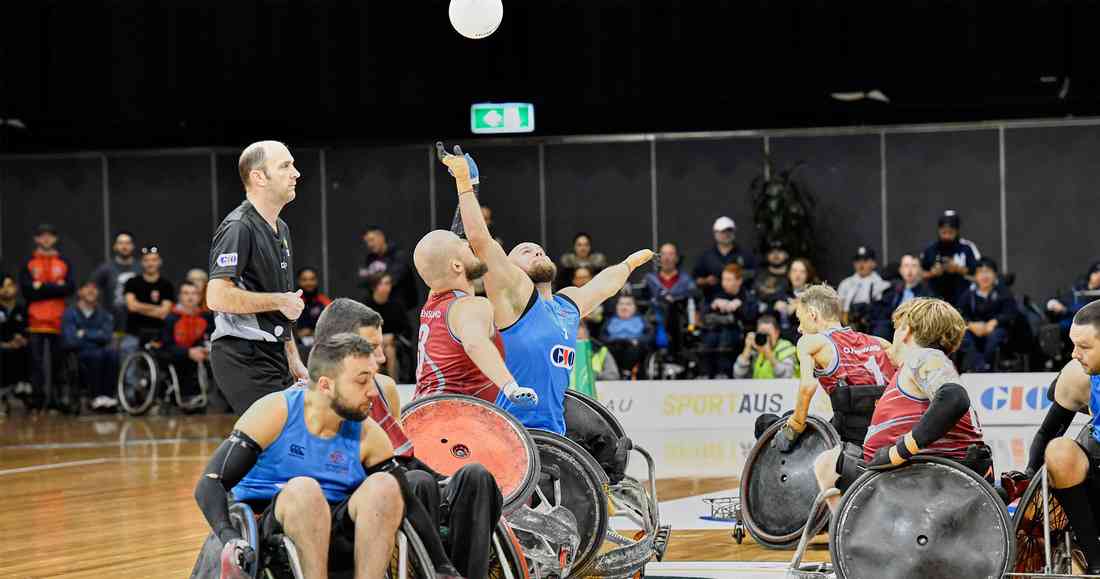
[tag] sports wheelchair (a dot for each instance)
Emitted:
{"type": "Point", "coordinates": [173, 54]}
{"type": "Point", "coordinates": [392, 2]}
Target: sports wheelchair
{"type": "Point", "coordinates": [558, 497]}
{"type": "Point", "coordinates": [148, 374]}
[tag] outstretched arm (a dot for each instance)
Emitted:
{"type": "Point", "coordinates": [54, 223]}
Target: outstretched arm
{"type": "Point", "coordinates": [607, 283]}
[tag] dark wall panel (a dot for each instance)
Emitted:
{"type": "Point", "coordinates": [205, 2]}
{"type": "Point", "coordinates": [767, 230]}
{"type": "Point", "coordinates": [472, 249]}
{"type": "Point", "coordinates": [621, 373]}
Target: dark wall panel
{"type": "Point", "coordinates": [844, 173]}
{"type": "Point", "coordinates": [509, 186]}
{"type": "Point", "coordinates": [601, 189]}
{"type": "Point", "coordinates": [303, 215]}
{"type": "Point", "coordinates": [927, 173]}
{"type": "Point", "coordinates": [699, 181]}
{"type": "Point", "coordinates": [387, 187]}
{"type": "Point", "coordinates": [67, 193]}
{"type": "Point", "coordinates": [164, 201]}
{"type": "Point", "coordinates": [1052, 203]}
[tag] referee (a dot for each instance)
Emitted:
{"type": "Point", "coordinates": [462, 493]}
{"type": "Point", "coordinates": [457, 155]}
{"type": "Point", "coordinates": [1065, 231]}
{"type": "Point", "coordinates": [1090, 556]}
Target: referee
{"type": "Point", "coordinates": [251, 282]}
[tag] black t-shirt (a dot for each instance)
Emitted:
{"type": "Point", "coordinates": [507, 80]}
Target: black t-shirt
{"type": "Point", "coordinates": [147, 293]}
{"type": "Point", "coordinates": [246, 250]}
{"type": "Point", "coordinates": [394, 320]}
{"type": "Point", "coordinates": [12, 322]}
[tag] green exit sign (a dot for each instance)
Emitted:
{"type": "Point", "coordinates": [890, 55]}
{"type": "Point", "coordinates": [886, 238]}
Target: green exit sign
{"type": "Point", "coordinates": [502, 118]}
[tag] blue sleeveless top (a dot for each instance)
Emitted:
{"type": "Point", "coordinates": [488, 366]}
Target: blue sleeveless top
{"type": "Point", "coordinates": [332, 462]}
{"type": "Point", "coordinates": [1094, 405]}
{"type": "Point", "coordinates": [539, 350]}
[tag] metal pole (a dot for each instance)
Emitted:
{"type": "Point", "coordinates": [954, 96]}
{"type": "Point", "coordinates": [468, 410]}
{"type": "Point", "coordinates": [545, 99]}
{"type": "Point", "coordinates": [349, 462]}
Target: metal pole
{"type": "Point", "coordinates": [653, 188]}
{"type": "Point", "coordinates": [1046, 521]}
{"type": "Point", "coordinates": [106, 190]}
{"type": "Point", "coordinates": [882, 193]}
{"type": "Point", "coordinates": [324, 219]}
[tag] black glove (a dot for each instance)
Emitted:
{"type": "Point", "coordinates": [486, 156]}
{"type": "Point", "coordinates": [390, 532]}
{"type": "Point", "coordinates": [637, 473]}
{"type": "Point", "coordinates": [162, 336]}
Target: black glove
{"type": "Point", "coordinates": [890, 457]}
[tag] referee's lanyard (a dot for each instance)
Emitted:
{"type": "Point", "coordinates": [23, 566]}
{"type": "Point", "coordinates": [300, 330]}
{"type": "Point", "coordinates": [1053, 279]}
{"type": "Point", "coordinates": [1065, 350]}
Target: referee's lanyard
{"type": "Point", "coordinates": [284, 264]}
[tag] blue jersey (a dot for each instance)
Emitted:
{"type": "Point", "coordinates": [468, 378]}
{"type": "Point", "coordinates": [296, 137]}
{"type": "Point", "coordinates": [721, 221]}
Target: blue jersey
{"type": "Point", "coordinates": [332, 462]}
{"type": "Point", "coordinates": [539, 350]}
{"type": "Point", "coordinates": [1094, 405]}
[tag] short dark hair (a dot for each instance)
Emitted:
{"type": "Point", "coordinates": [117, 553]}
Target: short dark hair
{"type": "Point", "coordinates": [186, 282]}
{"type": "Point", "coordinates": [986, 262]}
{"type": "Point", "coordinates": [768, 319]}
{"type": "Point", "coordinates": [121, 232]}
{"type": "Point", "coordinates": [1088, 316]}
{"type": "Point", "coordinates": [377, 228]}
{"type": "Point", "coordinates": [88, 281]}
{"type": "Point", "coordinates": [345, 315]}
{"type": "Point", "coordinates": [326, 358]}
{"type": "Point", "coordinates": [376, 278]}
{"type": "Point", "coordinates": [303, 270]}
{"type": "Point", "coordinates": [580, 235]}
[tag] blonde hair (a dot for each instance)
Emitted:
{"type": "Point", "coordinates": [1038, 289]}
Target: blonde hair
{"type": "Point", "coordinates": [823, 299]}
{"type": "Point", "coordinates": [934, 323]}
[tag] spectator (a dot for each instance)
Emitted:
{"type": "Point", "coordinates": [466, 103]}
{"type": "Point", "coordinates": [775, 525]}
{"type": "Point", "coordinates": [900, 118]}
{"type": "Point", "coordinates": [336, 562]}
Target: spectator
{"type": "Point", "coordinates": [395, 321]}
{"type": "Point", "coordinates": [627, 335]}
{"type": "Point", "coordinates": [800, 275]}
{"type": "Point", "coordinates": [315, 303]}
{"type": "Point", "coordinates": [911, 285]}
{"type": "Point", "coordinates": [861, 291]}
{"type": "Point", "coordinates": [14, 353]}
{"type": "Point", "coordinates": [46, 280]}
{"type": "Point", "coordinates": [200, 278]}
{"type": "Point", "coordinates": [87, 329]}
{"type": "Point", "coordinates": [383, 256]}
{"type": "Point", "coordinates": [487, 214]}
{"type": "Point", "coordinates": [726, 317]}
{"type": "Point", "coordinates": [148, 300]}
{"type": "Point", "coordinates": [581, 256]}
{"type": "Point", "coordinates": [594, 319]}
{"type": "Point", "coordinates": [593, 362]}
{"type": "Point", "coordinates": [989, 310]}
{"type": "Point", "coordinates": [949, 262]}
{"type": "Point", "coordinates": [766, 355]}
{"type": "Point", "coordinates": [772, 285]}
{"type": "Point", "coordinates": [670, 291]}
{"type": "Point", "coordinates": [708, 270]}
{"type": "Point", "coordinates": [186, 341]}
{"type": "Point", "coordinates": [1083, 292]}
{"type": "Point", "coordinates": [112, 275]}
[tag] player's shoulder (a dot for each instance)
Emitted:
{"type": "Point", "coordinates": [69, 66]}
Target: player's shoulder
{"type": "Point", "coordinates": [265, 419]}
{"type": "Point", "coordinates": [811, 342]}
{"type": "Point", "coordinates": [388, 385]}
{"type": "Point", "coordinates": [931, 367]}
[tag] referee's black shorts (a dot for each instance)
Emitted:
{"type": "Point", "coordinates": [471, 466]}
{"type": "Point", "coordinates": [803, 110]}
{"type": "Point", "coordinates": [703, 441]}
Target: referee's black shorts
{"type": "Point", "coordinates": [247, 370]}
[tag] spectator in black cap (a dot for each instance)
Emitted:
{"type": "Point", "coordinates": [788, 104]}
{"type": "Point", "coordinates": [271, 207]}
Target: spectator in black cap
{"type": "Point", "coordinates": [45, 281]}
{"type": "Point", "coordinates": [1084, 291]}
{"type": "Point", "coordinates": [861, 290]}
{"type": "Point", "coordinates": [772, 284]}
{"type": "Point", "coordinates": [950, 261]}
{"type": "Point", "coordinates": [989, 310]}
{"type": "Point", "coordinates": [708, 268]}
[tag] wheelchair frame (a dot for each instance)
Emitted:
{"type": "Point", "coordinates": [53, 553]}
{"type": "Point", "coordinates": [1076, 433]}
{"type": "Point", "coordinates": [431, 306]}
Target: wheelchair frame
{"type": "Point", "coordinates": [157, 365]}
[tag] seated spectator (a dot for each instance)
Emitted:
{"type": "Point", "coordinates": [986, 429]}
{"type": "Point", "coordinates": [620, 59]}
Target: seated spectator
{"type": "Point", "coordinates": [384, 256]}
{"type": "Point", "coordinates": [726, 317]}
{"type": "Point", "coordinates": [186, 340]}
{"type": "Point", "coordinates": [1084, 291]}
{"type": "Point", "coordinates": [15, 357]}
{"type": "Point", "coordinates": [708, 268]}
{"type": "Point", "coordinates": [627, 335]}
{"type": "Point", "coordinates": [200, 278]}
{"type": "Point", "coordinates": [594, 319]}
{"type": "Point", "coordinates": [394, 321]}
{"type": "Point", "coordinates": [989, 310]}
{"type": "Point", "coordinates": [910, 285]}
{"type": "Point", "coordinates": [670, 290]}
{"type": "Point", "coordinates": [771, 284]}
{"type": "Point", "coordinates": [87, 329]}
{"type": "Point", "coordinates": [766, 355]}
{"type": "Point", "coordinates": [859, 292]}
{"type": "Point", "coordinates": [594, 361]}
{"type": "Point", "coordinates": [800, 275]}
{"type": "Point", "coordinates": [581, 256]}
{"type": "Point", "coordinates": [315, 303]}
{"type": "Point", "coordinates": [148, 301]}
{"type": "Point", "coordinates": [949, 261]}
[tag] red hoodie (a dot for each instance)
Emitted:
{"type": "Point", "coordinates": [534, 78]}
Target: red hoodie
{"type": "Point", "coordinates": [46, 303]}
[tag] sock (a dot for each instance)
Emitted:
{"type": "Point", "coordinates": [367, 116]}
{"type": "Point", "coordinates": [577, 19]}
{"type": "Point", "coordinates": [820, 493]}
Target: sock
{"type": "Point", "coordinates": [1075, 502]}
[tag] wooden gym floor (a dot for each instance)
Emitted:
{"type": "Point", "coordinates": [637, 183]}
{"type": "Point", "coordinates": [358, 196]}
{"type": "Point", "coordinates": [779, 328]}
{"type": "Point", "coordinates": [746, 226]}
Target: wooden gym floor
{"type": "Point", "coordinates": [96, 497]}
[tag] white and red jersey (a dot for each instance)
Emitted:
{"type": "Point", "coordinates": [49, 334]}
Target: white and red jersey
{"type": "Point", "coordinates": [898, 412]}
{"type": "Point", "coordinates": [380, 413]}
{"type": "Point", "coordinates": [858, 360]}
{"type": "Point", "coordinates": [442, 366]}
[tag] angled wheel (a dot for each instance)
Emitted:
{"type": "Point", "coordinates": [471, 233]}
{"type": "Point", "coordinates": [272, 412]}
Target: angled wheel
{"type": "Point", "coordinates": [137, 383]}
{"type": "Point", "coordinates": [410, 558]}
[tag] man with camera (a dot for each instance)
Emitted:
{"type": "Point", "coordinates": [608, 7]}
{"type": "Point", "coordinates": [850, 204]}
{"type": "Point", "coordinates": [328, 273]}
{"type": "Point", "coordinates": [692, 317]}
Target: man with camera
{"type": "Point", "coordinates": [766, 355]}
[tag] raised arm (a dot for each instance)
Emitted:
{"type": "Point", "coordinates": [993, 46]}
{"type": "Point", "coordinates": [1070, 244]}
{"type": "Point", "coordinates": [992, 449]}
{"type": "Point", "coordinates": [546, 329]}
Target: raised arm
{"type": "Point", "coordinates": [808, 348]}
{"type": "Point", "coordinates": [607, 283]}
{"type": "Point", "coordinates": [471, 321]}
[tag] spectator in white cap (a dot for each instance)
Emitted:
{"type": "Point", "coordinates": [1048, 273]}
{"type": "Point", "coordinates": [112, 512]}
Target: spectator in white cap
{"type": "Point", "coordinates": [708, 268]}
{"type": "Point", "coordinates": [862, 290]}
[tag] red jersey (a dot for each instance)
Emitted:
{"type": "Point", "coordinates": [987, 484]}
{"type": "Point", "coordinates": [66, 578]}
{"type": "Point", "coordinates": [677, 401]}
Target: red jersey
{"type": "Point", "coordinates": [897, 412]}
{"type": "Point", "coordinates": [442, 366]}
{"type": "Point", "coordinates": [859, 360]}
{"type": "Point", "coordinates": [380, 413]}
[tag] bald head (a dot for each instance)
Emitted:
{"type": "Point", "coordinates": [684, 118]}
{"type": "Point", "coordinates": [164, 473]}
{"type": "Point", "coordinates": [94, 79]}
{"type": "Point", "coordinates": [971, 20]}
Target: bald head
{"type": "Point", "coordinates": [445, 261]}
{"type": "Point", "coordinates": [254, 157]}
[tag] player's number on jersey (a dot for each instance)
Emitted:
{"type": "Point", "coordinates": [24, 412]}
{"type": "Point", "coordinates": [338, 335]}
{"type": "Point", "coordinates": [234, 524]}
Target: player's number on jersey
{"type": "Point", "coordinates": [872, 366]}
{"type": "Point", "coordinates": [421, 348]}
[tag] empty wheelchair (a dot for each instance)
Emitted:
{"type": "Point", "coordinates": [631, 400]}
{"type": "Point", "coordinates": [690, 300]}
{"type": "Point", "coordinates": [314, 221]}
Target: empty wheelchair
{"type": "Point", "coordinates": [147, 375]}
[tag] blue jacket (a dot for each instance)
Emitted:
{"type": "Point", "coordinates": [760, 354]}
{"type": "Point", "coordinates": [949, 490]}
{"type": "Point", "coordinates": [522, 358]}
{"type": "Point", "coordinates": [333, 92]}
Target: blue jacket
{"type": "Point", "coordinates": [682, 290]}
{"type": "Point", "coordinates": [634, 328]}
{"type": "Point", "coordinates": [97, 327]}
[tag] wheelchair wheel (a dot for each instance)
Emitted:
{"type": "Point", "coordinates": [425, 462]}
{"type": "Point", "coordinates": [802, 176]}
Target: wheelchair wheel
{"type": "Point", "coordinates": [506, 559]}
{"type": "Point", "coordinates": [583, 491]}
{"type": "Point", "coordinates": [410, 558]}
{"type": "Point", "coordinates": [243, 519]}
{"type": "Point", "coordinates": [933, 518]}
{"type": "Point", "coordinates": [137, 383]}
{"type": "Point", "coordinates": [1028, 523]}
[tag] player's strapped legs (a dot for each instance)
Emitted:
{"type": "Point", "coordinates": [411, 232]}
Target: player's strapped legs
{"type": "Point", "coordinates": [294, 512]}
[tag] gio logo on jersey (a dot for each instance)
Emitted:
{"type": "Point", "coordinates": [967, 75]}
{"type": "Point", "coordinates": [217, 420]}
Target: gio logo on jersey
{"type": "Point", "coordinates": [562, 356]}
